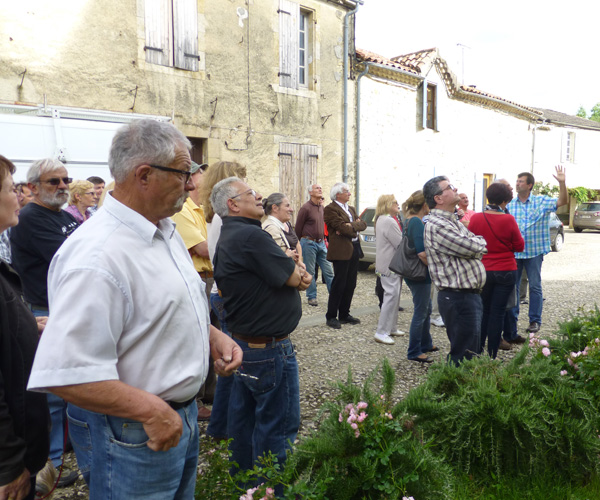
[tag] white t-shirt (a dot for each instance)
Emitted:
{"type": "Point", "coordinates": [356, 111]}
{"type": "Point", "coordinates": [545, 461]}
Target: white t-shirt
{"type": "Point", "coordinates": [125, 304]}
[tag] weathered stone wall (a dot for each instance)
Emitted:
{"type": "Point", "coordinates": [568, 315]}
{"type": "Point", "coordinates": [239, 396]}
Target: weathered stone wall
{"type": "Point", "coordinates": [81, 53]}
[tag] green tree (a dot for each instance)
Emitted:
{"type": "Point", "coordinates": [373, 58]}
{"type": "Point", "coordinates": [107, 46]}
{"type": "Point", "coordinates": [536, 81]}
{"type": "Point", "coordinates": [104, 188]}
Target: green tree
{"type": "Point", "coordinates": [581, 112]}
{"type": "Point", "coordinates": [595, 114]}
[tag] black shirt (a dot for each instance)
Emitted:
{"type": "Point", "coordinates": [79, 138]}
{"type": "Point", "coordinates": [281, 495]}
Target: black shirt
{"type": "Point", "coordinates": [24, 417]}
{"type": "Point", "coordinates": [251, 271]}
{"type": "Point", "coordinates": [34, 241]}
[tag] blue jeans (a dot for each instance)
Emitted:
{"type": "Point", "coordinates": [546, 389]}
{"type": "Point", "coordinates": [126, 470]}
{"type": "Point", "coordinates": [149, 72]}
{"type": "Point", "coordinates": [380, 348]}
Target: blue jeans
{"type": "Point", "coordinates": [533, 267]}
{"type": "Point", "coordinates": [58, 408]}
{"type": "Point", "coordinates": [313, 252]}
{"type": "Point", "coordinates": [264, 413]}
{"type": "Point", "coordinates": [495, 294]}
{"type": "Point", "coordinates": [217, 427]}
{"type": "Point", "coordinates": [117, 464]}
{"type": "Point", "coordinates": [419, 336]}
{"type": "Point", "coordinates": [461, 313]}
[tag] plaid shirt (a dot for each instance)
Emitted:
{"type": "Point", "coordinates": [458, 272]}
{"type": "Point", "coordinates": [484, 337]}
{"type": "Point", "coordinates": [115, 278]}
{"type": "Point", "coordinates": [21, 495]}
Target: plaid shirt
{"type": "Point", "coordinates": [453, 252]}
{"type": "Point", "coordinates": [533, 218]}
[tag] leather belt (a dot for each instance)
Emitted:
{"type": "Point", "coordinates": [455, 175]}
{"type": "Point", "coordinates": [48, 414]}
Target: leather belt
{"type": "Point", "coordinates": [316, 240]}
{"type": "Point", "coordinates": [258, 342]}
{"type": "Point", "coordinates": [176, 405]}
{"type": "Point", "coordinates": [461, 290]}
{"type": "Point", "coordinates": [206, 274]}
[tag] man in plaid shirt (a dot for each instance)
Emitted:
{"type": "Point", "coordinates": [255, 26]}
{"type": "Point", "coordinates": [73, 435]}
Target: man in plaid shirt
{"type": "Point", "coordinates": [532, 213]}
{"type": "Point", "coordinates": [454, 261]}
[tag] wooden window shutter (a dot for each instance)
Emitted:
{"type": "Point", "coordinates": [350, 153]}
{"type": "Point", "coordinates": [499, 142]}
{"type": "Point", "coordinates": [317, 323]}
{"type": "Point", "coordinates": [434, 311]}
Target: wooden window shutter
{"type": "Point", "coordinates": [289, 13]}
{"type": "Point", "coordinates": [424, 103]}
{"type": "Point", "coordinates": [157, 20]}
{"type": "Point", "coordinates": [185, 34]}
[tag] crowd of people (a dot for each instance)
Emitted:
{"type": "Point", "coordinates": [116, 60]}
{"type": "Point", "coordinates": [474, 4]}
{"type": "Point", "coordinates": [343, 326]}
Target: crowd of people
{"type": "Point", "coordinates": [186, 286]}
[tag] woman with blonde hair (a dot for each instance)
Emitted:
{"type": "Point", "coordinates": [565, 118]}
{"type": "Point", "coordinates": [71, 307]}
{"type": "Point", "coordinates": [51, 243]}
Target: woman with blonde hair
{"type": "Point", "coordinates": [389, 236]}
{"type": "Point", "coordinates": [217, 427]}
{"type": "Point", "coordinates": [419, 342]}
{"type": "Point", "coordinates": [82, 196]}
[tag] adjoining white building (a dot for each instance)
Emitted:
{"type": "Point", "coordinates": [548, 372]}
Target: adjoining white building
{"type": "Point", "coordinates": [416, 121]}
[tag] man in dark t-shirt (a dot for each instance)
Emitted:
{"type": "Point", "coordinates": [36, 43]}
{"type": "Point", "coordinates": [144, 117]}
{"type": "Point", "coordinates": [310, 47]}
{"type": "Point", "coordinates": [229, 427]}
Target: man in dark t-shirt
{"type": "Point", "coordinates": [43, 227]}
{"type": "Point", "coordinates": [259, 284]}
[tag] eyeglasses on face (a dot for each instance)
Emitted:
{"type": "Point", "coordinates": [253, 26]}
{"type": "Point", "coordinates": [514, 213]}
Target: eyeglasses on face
{"type": "Point", "coordinates": [55, 181]}
{"type": "Point", "coordinates": [449, 186]}
{"type": "Point", "coordinates": [186, 174]}
{"type": "Point", "coordinates": [251, 191]}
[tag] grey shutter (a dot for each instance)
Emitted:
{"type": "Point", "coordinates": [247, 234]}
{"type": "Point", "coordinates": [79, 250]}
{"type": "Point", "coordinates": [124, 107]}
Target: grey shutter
{"type": "Point", "coordinates": [436, 122]}
{"type": "Point", "coordinates": [289, 13]}
{"type": "Point", "coordinates": [424, 110]}
{"type": "Point", "coordinates": [185, 34]}
{"type": "Point", "coordinates": [563, 148]}
{"type": "Point", "coordinates": [157, 20]}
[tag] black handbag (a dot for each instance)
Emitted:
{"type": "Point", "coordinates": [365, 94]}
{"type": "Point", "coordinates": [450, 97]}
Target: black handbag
{"type": "Point", "coordinates": [407, 263]}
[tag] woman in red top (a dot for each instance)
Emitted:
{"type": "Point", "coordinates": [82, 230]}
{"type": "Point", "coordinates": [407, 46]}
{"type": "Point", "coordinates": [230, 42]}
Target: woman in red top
{"type": "Point", "coordinates": [503, 238]}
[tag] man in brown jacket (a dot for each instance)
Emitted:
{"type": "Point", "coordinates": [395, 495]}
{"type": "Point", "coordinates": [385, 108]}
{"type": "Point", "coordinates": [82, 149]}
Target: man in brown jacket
{"type": "Point", "coordinates": [344, 253]}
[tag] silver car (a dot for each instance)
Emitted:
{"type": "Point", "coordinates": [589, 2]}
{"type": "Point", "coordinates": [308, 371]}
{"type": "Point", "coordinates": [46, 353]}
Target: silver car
{"type": "Point", "coordinates": [587, 216]}
{"type": "Point", "coordinates": [367, 239]}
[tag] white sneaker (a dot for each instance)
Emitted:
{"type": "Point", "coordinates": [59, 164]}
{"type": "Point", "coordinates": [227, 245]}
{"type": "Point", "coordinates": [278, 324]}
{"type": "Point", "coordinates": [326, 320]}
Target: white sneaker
{"type": "Point", "coordinates": [384, 338]}
{"type": "Point", "coordinates": [398, 333]}
{"type": "Point", "coordinates": [437, 321]}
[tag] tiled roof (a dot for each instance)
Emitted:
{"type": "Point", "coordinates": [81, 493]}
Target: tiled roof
{"type": "Point", "coordinates": [418, 59]}
{"type": "Point", "coordinates": [474, 90]}
{"type": "Point", "coordinates": [562, 118]}
{"type": "Point", "coordinates": [366, 56]}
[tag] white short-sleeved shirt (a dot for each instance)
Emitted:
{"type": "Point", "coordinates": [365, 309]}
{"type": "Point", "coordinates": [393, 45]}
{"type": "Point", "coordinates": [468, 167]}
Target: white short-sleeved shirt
{"type": "Point", "coordinates": [125, 304]}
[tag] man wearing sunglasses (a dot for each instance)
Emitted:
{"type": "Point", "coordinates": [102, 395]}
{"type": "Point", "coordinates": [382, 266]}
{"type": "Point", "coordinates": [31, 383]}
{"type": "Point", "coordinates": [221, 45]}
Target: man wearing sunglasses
{"type": "Point", "coordinates": [43, 227]}
{"type": "Point", "coordinates": [454, 261]}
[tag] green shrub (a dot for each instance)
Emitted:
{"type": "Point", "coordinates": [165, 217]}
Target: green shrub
{"type": "Point", "coordinates": [366, 451]}
{"type": "Point", "coordinates": [513, 419]}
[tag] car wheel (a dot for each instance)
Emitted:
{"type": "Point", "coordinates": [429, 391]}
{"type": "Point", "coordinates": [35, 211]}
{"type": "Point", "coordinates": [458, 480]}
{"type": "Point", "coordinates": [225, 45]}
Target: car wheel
{"type": "Point", "coordinates": [363, 266]}
{"type": "Point", "coordinates": [558, 242]}
{"type": "Point", "coordinates": [577, 229]}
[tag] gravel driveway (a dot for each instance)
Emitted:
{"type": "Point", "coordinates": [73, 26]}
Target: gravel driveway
{"type": "Point", "coordinates": [571, 280]}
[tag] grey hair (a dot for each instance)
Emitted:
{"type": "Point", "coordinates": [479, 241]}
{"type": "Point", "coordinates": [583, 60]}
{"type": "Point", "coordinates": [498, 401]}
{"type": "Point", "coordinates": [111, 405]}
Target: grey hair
{"type": "Point", "coordinates": [144, 142]}
{"type": "Point", "coordinates": [431, 189]}
{"type": "Point", "coordinates": [338, 188]}
{"type": "Point", "coordinates": [41, 167]}
{"type": "Point", "coordinates": [310, 188]}
{"type": "Point", "coordinates": [272, 199]}
{"type": "Point", "coordinates": [221, 193]}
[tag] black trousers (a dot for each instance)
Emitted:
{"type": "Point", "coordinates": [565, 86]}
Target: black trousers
{"type": "Point", "coordinates": [343, 285]}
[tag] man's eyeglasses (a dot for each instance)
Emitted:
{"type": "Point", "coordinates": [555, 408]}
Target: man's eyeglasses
{"type": "Point", "coordinates": [251, 191]}
{"type": "Point", "coordinates": [449, 186]}
{"type": "Point", "coordinates": [185, 173]}
{"type": "Point", "coordinates": [55, 181]}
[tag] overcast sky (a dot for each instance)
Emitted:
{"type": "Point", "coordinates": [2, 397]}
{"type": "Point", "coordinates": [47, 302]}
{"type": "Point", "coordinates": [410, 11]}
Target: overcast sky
{"type": "Point", "coordinates": [541, 54]}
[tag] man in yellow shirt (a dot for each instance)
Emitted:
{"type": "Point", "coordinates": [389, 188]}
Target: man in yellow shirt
{"type": "Point", "coordinates": [191, 225]}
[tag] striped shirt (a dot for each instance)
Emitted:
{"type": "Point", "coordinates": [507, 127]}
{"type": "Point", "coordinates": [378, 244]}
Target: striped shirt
{"type": "Point", "coordinates": [533, 219]}
{"type": "Point", "coordinates": [453, 252]}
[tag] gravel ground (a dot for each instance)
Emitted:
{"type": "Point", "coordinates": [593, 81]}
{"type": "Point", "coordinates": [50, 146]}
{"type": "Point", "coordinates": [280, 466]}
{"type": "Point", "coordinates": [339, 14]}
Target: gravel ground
{"type": "Point", "coordinates": [571, 281]}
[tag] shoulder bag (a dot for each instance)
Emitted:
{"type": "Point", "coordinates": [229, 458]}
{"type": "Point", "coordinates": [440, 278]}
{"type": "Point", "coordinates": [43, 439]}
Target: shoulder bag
{"type": "Point", "coordinates": [407, 263]}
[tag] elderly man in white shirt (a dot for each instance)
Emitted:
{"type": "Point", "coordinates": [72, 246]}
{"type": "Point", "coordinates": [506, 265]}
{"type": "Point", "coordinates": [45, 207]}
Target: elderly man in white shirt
{"type": "Point", "coordinates": [127, 340]}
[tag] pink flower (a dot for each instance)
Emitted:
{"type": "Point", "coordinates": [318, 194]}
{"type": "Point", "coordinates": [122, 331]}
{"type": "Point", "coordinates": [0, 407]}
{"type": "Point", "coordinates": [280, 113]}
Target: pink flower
{"type": "Point", "coordinates": [341, 418]}
{"type": "Point", "coordinates": [544, 343]}
{"type": "Point", "coordinates": [574, 354]}
{"type": "Point", "coordinates": [563, 372]}
{"type": "Point", "coordinates": [584, 353]}
{"type": "Point", "coordinates": [269, 493]}
{"type": "Point", "coordinates": [546, 351]}
{"type": "Point", "coordinates": [354, 426]}
{"type": "Point", "coordinates": [388, 415]}
{"type": "Point", "coordinates": [349, 407]}
{"type": "Point", "coordinates": [532, 335]}
{"type": "Point", "coordinates": [381, 397]}
{"type": "Point", "coordinates": [351, 418]}
{"type": "Point", "coordinates": [362, 416]}
{"type": "Point", "coordinates": [570, 361]}
{"type": "Point", "coordinates": [356, 433]}
{"type": "Point", "coordinates": [361, 406]}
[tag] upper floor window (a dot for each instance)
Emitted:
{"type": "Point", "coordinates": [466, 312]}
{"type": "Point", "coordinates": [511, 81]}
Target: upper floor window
{"type": "Point", "coordinates": [295, 47]}
{"type": "Point", "coordinates": [569, 148]}
{"type": "Point", "coordinates": [172, 33]}
{"type": "Point", "coordinates": [431, 111]}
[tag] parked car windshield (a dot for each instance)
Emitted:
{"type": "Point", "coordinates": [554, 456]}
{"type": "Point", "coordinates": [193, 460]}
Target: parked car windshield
{"type": "Point", "coordinates": [368, 216]}
{"type": "Point", "coordinates": [589, 207]}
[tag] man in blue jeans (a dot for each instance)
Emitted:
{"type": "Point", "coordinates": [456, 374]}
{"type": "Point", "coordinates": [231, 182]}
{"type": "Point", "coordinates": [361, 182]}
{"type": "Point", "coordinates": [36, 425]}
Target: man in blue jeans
{"type": "Point", "coordinates": [532, 213]}
{"type": "Point", "coordinates": [127, 342]}
{"type": "Point", "coordinates": [260, 286]}
{"type": "Point", "coordinates": [310, 230]}
{"type": "Point", "coordinates": [454, 261]}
